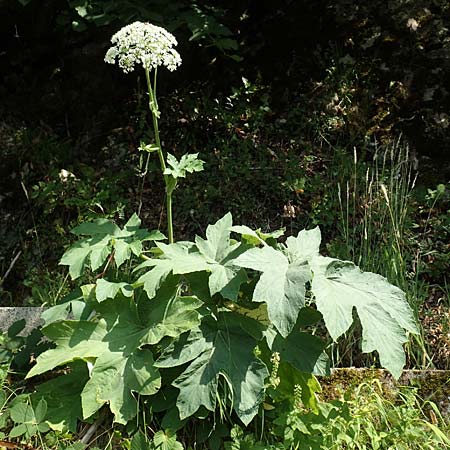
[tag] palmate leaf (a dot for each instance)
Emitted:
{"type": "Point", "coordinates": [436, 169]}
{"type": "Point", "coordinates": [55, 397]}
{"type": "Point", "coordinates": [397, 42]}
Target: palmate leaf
{"type": "Point", "coordinates": [220, 348]}
{"type": "Point", "coordinates": [114, 346]}
{"type": "Point", "coordinates": [80, 303]}
{"type": "Point", "coordinates": [219, 254]}
{"type": "Point", "coordinates": [188, 163]}
{"type": "Point", "coordinates": [113, 379]}
{"type": "Point", "coordinates": [215, 255]}
{"type": "Point", "coordinates": [340, 286]}
{"type": "Point", "coordinates": [282, 284]}
{"type": "Point", "coordinates": [177, 258]}
{"type": "Point", "coordinates": [106, 289]}
{"type": "Point", "coordinates": [104, 237]}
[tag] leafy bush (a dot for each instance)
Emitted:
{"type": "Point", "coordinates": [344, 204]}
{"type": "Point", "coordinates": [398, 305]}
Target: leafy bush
{"type": "Point", "coordinates": [195, 319]}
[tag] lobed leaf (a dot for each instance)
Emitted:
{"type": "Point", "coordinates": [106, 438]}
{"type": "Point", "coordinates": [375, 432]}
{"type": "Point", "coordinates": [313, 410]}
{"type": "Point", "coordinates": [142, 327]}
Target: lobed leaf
{"type": "Point", "coordinates": [105, 236]}
{"type": "Point", "coordinates": [220, 348]}
{"type": "Point", "coordinates": [106, 289]}
{"type": "Point", "coordinates": [188, 163]}
{"type": "Point", "coordinates": [340, 286]}
{"type": "Point", "coordinates": [281, 285]}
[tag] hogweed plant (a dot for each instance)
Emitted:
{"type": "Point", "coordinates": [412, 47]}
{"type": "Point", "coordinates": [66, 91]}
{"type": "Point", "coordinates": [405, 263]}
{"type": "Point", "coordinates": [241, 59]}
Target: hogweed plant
{"type": "Point", "coordinates": [148, 46]}
{"type": "Point", "coordinates": [177, 330]}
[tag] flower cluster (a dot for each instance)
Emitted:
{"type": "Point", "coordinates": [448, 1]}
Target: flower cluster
{"type": "Point", "coordinates": [143, 44]}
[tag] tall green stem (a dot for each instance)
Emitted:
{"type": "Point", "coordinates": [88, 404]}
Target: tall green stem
{"type": "Point", "coordinates": [153, 106]}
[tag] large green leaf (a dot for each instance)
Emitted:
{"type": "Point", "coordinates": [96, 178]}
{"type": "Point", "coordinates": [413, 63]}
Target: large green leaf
{"type": "Point", "coordinates": [114, 377]}
{"type": "Point", "coordinates": [96, 248]}
{"type": "Point", "coordinates": [168, 314]}
{"type": "Point", "coordinates": [218, 348]}
{"type": "Point", "coordinates": [225, 277]}
{"type": "Point", "coordinates": [114, 344]}
{"type": "Point", "coordinates": [282, 284]}
{"type": "Point", "coordinates": [214, 255]}
{"type": "Point", "coordinates": [79, 304]}
{"type": "Point", "coordinates": [104, 237]}
{"type": "Point", "coordinates": [178, 258]}
{"type": "Point", "coordinates": [152, 280]}
{"type": "Point", "coordinates": [340, 286]}
{"type": "Point", "coordinates": [106, 289]}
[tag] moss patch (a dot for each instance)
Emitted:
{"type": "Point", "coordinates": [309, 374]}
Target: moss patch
{"type": "Point", "coordinates": [433, 385]}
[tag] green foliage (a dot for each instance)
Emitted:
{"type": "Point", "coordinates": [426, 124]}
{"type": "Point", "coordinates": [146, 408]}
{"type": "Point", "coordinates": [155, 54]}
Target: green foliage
{"type": "Point", "coordinates": [178, 169]}
{"type": "Point", "coordinates": [28, 419]}
{"type": "Point", "coordinates": [187, 164]}
{"type": "Point", "coordinates": [220, 348]}
{"type": "Point", "coordinates": [104, 237]}
{"type": "Point", "coordinates": [135, 334]}
{"type": "Point", "coordinates": [363, 420]}
{"type": "Point", "coordinates": [201, 24]}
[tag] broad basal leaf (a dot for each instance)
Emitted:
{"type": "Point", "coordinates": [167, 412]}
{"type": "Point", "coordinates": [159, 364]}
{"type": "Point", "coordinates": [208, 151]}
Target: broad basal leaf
{"type": "Point", "coordinates": [113, 379]}
{"type": "Point", "coordinates": [177, 258]}
{"type": "Point", "coordinates": [219, 348]}
{"type": "Point", "coordinates": [96, 248]}
{"type": "Point", "coordinates": [340, 286]}
{"type": "Point", "coordinates": [96, 227]}
{"type": "Point", "coordinates": [79, 304]}
{"type": "Point", "coordinates": [282, 284]}
{"type": "Point", "coordinates": [214, 255]}
{"type": "Point", "coordinates": [167, 314]}
{"type": "Point", "coordinates": [114, 345]}
{"type": "Point", "coordinates": [152, 280]}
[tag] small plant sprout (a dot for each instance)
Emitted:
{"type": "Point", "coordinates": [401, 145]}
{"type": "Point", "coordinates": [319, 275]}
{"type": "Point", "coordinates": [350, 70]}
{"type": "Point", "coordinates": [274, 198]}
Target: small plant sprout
{"type": "Point", "coordinates": [149, 46]}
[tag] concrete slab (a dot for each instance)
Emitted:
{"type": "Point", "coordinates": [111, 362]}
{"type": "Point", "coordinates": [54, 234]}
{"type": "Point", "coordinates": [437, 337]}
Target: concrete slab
{"type": "Point", "coordinates": [9, 315]}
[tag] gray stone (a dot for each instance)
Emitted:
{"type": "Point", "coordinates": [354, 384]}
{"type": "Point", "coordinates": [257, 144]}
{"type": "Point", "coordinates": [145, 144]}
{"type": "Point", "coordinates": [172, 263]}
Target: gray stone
{"type": "Point", "coordinates": [9, 315]}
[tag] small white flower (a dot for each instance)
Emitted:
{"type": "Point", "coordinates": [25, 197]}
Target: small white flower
{"type": "Point", "coordinates": [145, 45]}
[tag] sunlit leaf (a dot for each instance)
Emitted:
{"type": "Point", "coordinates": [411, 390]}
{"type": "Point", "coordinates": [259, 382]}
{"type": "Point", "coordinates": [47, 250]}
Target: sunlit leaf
{"type": "Point", "coordinates": [340, 286]}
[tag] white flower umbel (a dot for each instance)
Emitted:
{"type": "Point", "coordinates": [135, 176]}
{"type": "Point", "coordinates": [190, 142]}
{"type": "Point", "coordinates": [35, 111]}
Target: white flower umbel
{"type": "Point", "coordinates": [143, 44]}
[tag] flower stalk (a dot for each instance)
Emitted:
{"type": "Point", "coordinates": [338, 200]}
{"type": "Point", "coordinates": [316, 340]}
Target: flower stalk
{"type": "Point", "coordinates": [154, 110]}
